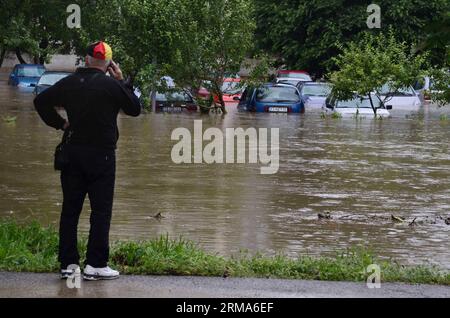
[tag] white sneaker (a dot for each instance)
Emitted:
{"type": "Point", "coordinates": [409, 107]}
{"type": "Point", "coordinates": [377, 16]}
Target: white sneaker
{"type": "Point", "coordinates": [71, 269]}
{"type": "Point", "coordinates": [91, 273]}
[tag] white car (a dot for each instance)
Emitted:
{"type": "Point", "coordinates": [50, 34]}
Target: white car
{"type": "Point", "coordinates": [314, 94]}
{"type": "Point", "coordinates": [406, 99]}
{"type": "Point", "coordinates": [292, 77]}
{"type": "Point", "coordinates": [358, 106]}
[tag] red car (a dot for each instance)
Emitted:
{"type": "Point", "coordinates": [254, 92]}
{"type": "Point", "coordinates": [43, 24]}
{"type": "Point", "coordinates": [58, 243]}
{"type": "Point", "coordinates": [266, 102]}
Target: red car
{"type": "Point", "coordinates": [230, 90]}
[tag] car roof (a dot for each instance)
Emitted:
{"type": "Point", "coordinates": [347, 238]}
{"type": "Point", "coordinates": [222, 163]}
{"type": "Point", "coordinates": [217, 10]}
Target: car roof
{"type": "Point", "coordinates": [279, 85]}
{"type": "Point", "coordinates": [292, 71]}
{"type": "Point", "coordinates": [30, 65]}
{"type": "Point", "coordinates": [316, 83]}
{"type": "Point", "coordinates": [57, 72]}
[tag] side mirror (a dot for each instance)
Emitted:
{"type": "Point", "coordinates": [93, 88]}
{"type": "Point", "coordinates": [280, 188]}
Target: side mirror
{"type": "Point", "coordinates": [32, 85]}
{"type": "Point", "coordinates": [388, 107]}
{"type": "Point", "coordinates": [329, 106]}
{"type": "Point", "coordinates": [236, 98]}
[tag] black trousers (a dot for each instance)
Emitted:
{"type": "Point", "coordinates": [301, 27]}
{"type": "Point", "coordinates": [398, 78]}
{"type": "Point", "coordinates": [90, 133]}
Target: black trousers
{"type": "Point", "coordinates": [91, 171]}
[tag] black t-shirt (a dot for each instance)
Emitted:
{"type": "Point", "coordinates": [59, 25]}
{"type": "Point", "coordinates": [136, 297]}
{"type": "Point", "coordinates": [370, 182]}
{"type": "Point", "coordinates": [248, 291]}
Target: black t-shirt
{"type": "Point", "coordinates": [92, 101]}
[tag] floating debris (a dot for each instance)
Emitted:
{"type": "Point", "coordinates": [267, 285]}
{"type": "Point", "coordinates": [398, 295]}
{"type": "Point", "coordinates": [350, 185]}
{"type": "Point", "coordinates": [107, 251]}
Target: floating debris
{"type": "Point", "coordinates": [397, 219]}
{"type": "Point", "coordinates": [158, 216]}
{"type": "Point", "coordinates": [447, 221]}
{"type": "Point", "coordinates": [413, 223]}
{"type": "Point", "coordinates": [326, 216]}
{"type": "Point", "coordinates": [9, 119]}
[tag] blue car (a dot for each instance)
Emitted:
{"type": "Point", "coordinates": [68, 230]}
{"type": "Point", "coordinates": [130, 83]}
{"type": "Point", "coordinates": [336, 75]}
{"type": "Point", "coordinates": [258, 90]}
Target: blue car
{"type": "Point", "coordinates": [49, 79]}
{"type": "Point", "coordinates": [313, 95]}
{"type": "Point", "coordinates": [26, 75]}
{"type": "Point", "coordinates": [272, 98]}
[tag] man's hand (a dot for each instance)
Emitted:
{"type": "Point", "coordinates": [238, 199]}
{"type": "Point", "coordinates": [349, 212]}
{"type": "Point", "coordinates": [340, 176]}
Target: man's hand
{"type": "Point", "coordinates": [115, 71]}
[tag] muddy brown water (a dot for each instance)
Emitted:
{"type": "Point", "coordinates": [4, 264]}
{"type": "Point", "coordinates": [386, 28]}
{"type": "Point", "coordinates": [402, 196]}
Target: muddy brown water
{"type": "Point", "coordinates": [361, 172]}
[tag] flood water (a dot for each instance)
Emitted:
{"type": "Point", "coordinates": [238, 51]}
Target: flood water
{"type": "Point", "coordinates": [361, 172]}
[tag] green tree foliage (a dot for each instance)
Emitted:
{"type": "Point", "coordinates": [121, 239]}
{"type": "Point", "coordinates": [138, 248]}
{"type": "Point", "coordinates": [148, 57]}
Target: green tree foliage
{"type": "Point", "coordinates": [365, 66]}
{"type": "Point", "coordinates": [36, 27]}
{"type": "Point", "coordinates": [213, 39]}
{"type": "Point", "coordinates": [196, 42]}
{"type": "Point", "coordinates": [437, 41]}
{"type": "Point", "coordinates": [440, 93]}
{"type": "Point", "coordinates": [306, 34]}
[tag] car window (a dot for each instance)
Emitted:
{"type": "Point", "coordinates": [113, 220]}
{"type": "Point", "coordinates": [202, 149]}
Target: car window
{"type": "Point", "coordinates": [245, 95]}
{"type": "Point", "coordinates": [230, 88]}
{"type": "Point", "coordinates": [404, 91]}
{"type": "Point", "coordinates": [357, 103]}
{"type": "Point", "coordinates": [419, 84]}
{"type": "Point", "coordinates": [316, 90]}
{"type": "Point", "coordinates": [173, 97]}
{"type": "Point", "coordinates": [30, 71]}
{"type": "Point", "coordinates": [277, 94]}
{"type": "Point", "coordinates": [51, 79]}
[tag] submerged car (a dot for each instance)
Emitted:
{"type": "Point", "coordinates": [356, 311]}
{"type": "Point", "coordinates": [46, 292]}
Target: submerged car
{"type": "Point", "coordinates": [313, 95]}
{"type": "Point", "coordinates": [175, 102]}
{"type": "Point", "coordinates": [231, 90]}
{"type": "Point", "coordinates": [404, 99]}
{"type": "Point", "coordinates": [357, 106]}
{"type": "Point", "coordinates": [272, 98]}
{"type": "Point", "coordinates": [292, 77]}
{"type": "Point", "coordinates": [26, 75]}
{"type": "Point", "coordinates": [49, 79]}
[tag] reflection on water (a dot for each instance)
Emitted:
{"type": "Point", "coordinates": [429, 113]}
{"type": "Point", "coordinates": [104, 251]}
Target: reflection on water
{"type": "Point", "coordinates": [359, 171]}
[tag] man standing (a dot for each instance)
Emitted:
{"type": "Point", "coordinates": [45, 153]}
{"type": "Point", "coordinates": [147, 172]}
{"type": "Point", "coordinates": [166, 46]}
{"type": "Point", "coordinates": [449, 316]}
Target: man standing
{"type": "Point", "coordinates": [92, 101]}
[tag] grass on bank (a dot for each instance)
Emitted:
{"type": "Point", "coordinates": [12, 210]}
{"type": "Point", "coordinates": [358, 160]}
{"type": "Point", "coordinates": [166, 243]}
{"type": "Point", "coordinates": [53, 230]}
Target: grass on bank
{"type": "Point", "coordinates": [34, 248]}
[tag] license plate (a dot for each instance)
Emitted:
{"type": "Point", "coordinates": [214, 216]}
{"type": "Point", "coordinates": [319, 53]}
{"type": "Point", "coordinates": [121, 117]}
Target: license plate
{"type": "Point", "coordinates": [172, 109]}
{"type": "Point", "coordinates": [278, 109]}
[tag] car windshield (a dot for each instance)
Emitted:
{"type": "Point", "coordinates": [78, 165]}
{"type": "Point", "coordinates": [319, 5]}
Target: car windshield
{"type": "Point", "coordinates": [30, 71]}
{"type": "Point", "coordinates": [357, 103]}
{"type": "Point", "coordinates": [301, 76]}
{"type": "Point", "coordinates": [277, 94]}
{"type": "Point", "coordinates": [173, 97]}
{"type": "Point", "coordinates": [404, 91]}
{"type": "Point", "coordinates": [230, 87]}
{"type": "Point", "coordinates": [51, 79]}
{"type": "Point", "coordinates": [316, 90]}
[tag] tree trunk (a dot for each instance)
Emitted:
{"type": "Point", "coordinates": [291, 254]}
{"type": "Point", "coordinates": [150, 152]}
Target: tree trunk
{"type": "Point", "coordinates": [43, 45]}
{"type": "Point", "coordinates": [19, 56]}
{"type": "Point", "coordinates": [222, 103]}
{"type": "Point", "coordinates": [371, 104]}
{"type": "Point", "coordinates": [2, 56]}
{"type": "Point", "coordinates": [153, 97]}
{"type": "Point", "coordinates": [217, 89]}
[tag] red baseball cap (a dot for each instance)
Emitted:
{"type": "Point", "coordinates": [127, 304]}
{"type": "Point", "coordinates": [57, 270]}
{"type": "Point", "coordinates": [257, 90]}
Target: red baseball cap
{"type": "Point", "coordinates": [100, 50]}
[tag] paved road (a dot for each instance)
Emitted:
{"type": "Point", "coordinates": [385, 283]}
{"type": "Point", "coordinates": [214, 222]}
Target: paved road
{"type": "Point", "coordinates": [49, 285]}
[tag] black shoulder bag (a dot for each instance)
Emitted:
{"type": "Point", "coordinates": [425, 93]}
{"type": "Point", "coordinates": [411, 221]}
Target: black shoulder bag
{"type": "Point", "coordinates": [61, 152]}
